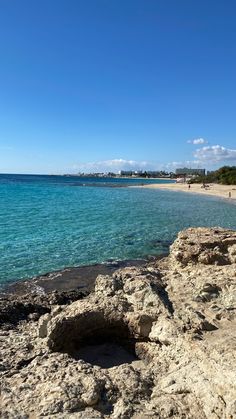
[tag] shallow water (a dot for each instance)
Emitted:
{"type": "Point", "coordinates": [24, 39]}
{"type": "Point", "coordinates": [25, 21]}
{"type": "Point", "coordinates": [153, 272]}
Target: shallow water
{"type": "Point", "coordinates": [48, 223]}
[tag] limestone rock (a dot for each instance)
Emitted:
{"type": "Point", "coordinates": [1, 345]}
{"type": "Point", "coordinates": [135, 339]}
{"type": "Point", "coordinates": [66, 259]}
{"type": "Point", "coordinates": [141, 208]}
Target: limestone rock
{"type": "Point", "coordinates": [205, 245]}
{"type": "Point", "coordinates": [164, 331]}
{"type": "Point", "coordinates": [150, 342]}
{"type": "Point", "coordinates": [42, 325]}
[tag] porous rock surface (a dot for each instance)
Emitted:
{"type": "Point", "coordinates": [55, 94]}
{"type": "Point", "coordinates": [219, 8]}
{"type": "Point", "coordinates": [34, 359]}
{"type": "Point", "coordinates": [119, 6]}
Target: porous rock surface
{"type": "Point", "coordinates": [151, 342]}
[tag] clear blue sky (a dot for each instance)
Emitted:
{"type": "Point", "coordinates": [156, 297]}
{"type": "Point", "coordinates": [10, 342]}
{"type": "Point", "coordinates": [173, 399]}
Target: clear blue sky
{"type": "Point", "coordinates": [85, 83]}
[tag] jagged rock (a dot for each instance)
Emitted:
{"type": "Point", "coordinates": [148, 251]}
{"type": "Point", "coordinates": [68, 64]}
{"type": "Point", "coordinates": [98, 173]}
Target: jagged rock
{"type": "Point", "coordinates": [14, 309]}
{"type": "Point", "coordinates": [205, 245]}
{"type": "Point", "coordinates": [150, 342]}
{"type": "Point", "coordinates": [164, 331]}
{"type": "Point", "coordinates": [208, 292]}
{"type": "Point", "coordinates": [43, 325]}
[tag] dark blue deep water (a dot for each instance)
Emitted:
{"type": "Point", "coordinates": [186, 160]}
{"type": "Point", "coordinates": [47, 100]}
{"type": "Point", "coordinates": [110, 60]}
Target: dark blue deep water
{"type": "Point", "coordinates": [51, 222]}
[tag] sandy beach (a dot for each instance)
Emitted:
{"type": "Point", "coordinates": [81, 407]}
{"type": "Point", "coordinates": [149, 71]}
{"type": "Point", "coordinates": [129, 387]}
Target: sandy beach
{"type": "Point", "coordinates": [222, 191]}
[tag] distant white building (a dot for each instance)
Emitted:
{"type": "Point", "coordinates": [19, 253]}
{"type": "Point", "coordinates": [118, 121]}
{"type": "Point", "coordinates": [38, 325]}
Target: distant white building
{"type": "Point", "coordinates": [125, 172]}
{"type": "Point", "coordinates": [183, 172]}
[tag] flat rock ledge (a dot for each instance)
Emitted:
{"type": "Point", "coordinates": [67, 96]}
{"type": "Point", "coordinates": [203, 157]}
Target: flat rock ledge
{"type": "Point", "coordinates": [157, 341]}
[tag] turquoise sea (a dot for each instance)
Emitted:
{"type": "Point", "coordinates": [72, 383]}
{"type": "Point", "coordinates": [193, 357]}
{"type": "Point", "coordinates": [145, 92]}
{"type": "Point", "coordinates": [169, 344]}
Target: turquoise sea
{"type": "Point", "coordinates": [51, 222]}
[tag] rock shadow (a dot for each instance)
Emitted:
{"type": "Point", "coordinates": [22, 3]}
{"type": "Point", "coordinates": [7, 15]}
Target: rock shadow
{"type": "Point", "coordinates": [106, 354]}
{"type": "Point", "coordinates": [95, 340]}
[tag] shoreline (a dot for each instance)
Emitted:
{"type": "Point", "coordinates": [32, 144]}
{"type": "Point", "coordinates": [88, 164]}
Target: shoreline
{"type": "Point", "coordinates": [214, 190]}
{"type": "Point", "coordinates": [169, 180]}
{"type": "Point", "coordinates": [81, 278]}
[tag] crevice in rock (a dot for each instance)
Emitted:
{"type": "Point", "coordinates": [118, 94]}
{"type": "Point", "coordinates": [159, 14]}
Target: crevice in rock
{"type": "Point", "coordinates": [164, 296]}
{"type": "Point", "coordinates": [24, 362]}
{"type": "Point", "coordinates": [104, 405]}
{"type": "Point", "coordinates": [208, 327]}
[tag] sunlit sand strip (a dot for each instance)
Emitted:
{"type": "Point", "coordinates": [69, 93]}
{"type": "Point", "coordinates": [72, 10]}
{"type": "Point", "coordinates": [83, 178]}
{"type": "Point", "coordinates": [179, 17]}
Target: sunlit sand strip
{"type": "Point", "coordinates": [213, 189]}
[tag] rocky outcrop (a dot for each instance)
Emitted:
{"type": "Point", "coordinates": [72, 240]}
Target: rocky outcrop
{"type": "Point", "coordinates": [14, 308]}
{"type": "Point", "coordinates": [209, 246]}
{"type": "Point", "coordinates": [157, 341]}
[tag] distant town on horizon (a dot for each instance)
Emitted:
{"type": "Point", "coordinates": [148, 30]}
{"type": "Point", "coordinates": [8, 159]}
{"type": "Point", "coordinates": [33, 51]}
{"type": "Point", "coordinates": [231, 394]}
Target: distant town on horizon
{"type": "Point", "coordinates": [179, 172]}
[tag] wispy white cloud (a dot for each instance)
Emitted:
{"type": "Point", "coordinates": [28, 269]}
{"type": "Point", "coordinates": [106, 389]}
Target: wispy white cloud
{"type": "Point", "coordinates": [215, 153]}
{"type": "Point", "coordinates": [207, 155]}
{"type": "Point", "coordinates": [113, 165]}
{"type": "Point", "coordinates": [197, 141]}
{"type": "Point", "coordinates": [202, 157]}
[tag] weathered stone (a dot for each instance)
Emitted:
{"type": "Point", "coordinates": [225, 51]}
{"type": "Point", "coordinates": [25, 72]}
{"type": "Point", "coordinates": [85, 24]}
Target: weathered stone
{"type": "Point", "coordinates": [205, 245]}
{"type": "Point", "coordinates": [42, 325]}
{"type": "Point", "coordinates": [150, 342]}
{"type": "Point", "coordinates": [163, 331]}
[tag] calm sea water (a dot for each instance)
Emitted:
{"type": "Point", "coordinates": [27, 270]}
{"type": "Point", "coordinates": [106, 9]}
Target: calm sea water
{"type": "Point", "coordinates": [51, 222]}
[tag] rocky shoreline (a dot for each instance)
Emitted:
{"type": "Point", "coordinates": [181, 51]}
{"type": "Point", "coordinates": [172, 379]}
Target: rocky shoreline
{"type": "Point", "coordinates": [81, 277]}
{"type": "Point", "coordinates": [151, 341]}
